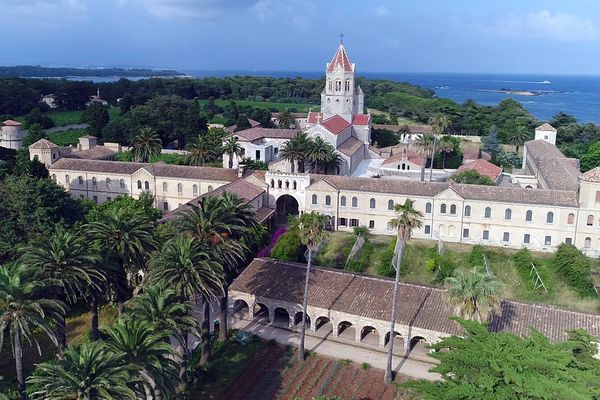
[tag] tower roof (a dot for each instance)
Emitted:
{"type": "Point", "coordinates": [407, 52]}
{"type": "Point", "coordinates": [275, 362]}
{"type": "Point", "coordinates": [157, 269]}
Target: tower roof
{"type": "Point", "coordinates": [340, 59]}
{"type": "Point", "coordinates": [546, 127]}
{"type": "Point", "coordinates": [10, 122]}
{"type": "Point", "coordinates": [43, 144]}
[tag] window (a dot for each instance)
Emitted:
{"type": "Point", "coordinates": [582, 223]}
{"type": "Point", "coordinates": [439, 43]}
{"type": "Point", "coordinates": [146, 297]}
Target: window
{"type": "Point", "coordinates": [529, 216]}
{"type": "Point", "coordinates": [314, 199]}
{"type": "Point", "coordinates": [443, 209]}
{"type": "Point", "coordinates": [487, 213]}
{"type": "Point", "coordinates": [96, 199]}
{"type": "Point", "coordinates": [195, 190]}
{"type": "Point", "coordinates": [428, 229]}
{"type": "Point", "coordinates": [327, 200]}
{"type": "Point", "coordinates": [273, 183]}
{"type": "Point", "coordinates": [94, 182]}
{"type": "Point", "coordinates": [571, 219]}
{"type": "Point", "coordinates": [338, 85]}
{"type": "Point", "coordinates": [122, 184]}
{"type": "Point", "coordinates": [354, 202]}
{"type": "Point", "coordinates": [108, 198]}
{"type": "Point", "coordinates": [526, 238]}
{"type": "Point", "coordinates": [428, 208]}
{"type": "Point", "coordinates": [276, 150]}
{"type": "Point", "coordinates": [257, 155]}
{"type": "Point", "coordinates": [590, 220]}
{"type": "Point", "coordinates": [210, 188]}
{"type": "Point", "coordinates": [598, 197]}
{"type": "Point", "coordinates": [108, 182]}
{"type": "Point", "coordinates": [67, 180]}
{"type": "Point", "coordinates": [54, 177]}
{"type": "Point", "coordinates": [343, 201]}
{"type": "Point", "coordinates": [147, 185]}
{"type": "Point", "coordinates": [347, 88]}
{"type": "Point", "coordinates": [294, 185]}
{"type": "Point", "coordinates": [465, 233]}
{"type": "Point", "coordinates": [550, 217]}
{"type": "Point", "coordinates": [569, 241]}
{"type": "Point", "coordinates": [139, 184]}
{"type": "Point", "coordinates": [179, 188]}
{"type": "Point", "coordinates": [165, 186]}
{"type": "Point", "coordinates": [353, 222]}
{"type": "Point", "coordinates": [166, 206]}
{"type": "Point", "coordinates": [390, 226]}
{"type": "Point", "coordinates": [467, 211]}
{"type": "Point", "coordinates": [508, 213]}
{"type": "Point", "coordinates": [279, 184]}
{"type": "Point", "coordinates": [287, 185]}
{"type": "Point", "coordinates": [453, 209]}
{"type": "Point", "coordinates": [329, 84]}
{"type": "Point", "coordinates": [343, 222]}
{"type": "Point", "coordinates": [506, 237]}
{"type": "Point", "coordinates": [371, 224]}
{"type": "Point", "coordinates": [486, 235]}
{"type": "Point", "coordinates": [587, 243]}
{"type": "Point", "coordinates": [548, 240]}
{"type": "Point", "coordinates": [80, 179]}
{"type": "Point", "coordinates": [390, 204]}
{"type": "Point", "coordinates": [372, 203]}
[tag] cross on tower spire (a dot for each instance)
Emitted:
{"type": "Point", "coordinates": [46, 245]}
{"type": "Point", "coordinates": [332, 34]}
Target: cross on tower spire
{"type": "Point", "coordinates": [341, 38]}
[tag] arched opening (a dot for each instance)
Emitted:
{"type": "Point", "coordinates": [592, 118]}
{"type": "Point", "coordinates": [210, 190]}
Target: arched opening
{"type": "Point", "coordinates": [240, 309]}
{"type": "Point", "coordinates": [281, 317]}
{"type": "Point", "coordinates": [260, 313]}
{"type": "Point", "coordinates": [398, 342]}
{"type": "Point", "coordinates": [418, 346]}
{"type": "Point", "coordinates": [298, 320]}
{"type": "Point", "coordinates": [323, 326]}
{"type": "Point", "coordinates": [369, 335]}
{"type": "Point", "coordinates": [346, 331]}
{"type": "Point", "coordinates": [286, 205]}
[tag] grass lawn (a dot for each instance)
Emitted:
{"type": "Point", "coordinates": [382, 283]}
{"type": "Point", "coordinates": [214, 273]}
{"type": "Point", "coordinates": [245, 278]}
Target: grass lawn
{"type": "Point", "coordinates": [295, 107]}
{"type": "Point", "coordinates": [336, 251]}
{"type": "Point", "coordinates": [67, 138]}
{"type": "Point", "coordinates": [78, 329]}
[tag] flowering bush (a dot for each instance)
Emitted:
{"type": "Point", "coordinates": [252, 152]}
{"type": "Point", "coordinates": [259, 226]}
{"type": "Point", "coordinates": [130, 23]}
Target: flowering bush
{"type": "Point", "coordinates": [266, 252]}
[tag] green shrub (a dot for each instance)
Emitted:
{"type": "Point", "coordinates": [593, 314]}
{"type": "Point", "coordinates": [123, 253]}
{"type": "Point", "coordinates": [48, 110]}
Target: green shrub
{"type": "Point", "coordinates": [289, 248]}
{"type": "Point", "coordinates": [575, 269]}
{"type": "Point", "coordinates": [445, 268]}
{"type": "Point", "coordinates": [385, 267]}
{"type": "Point", "coordinates": [365, 366]}
{"type": "Point", "coordinates": [475, 257]}
{"type": "Point", "coordinates": [361, 230]}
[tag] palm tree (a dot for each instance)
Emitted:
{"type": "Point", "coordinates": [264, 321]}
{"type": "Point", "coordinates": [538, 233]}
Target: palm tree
{"type": "Point", "coordinates": [518, 137]}
{"type": "Point", "coordinates": [87, 372]}
{"type": "Point", "coordinates": [142, 344]}
{"type": "Point", "coordinates": [286, 119]}
{"type": "Point", "coordinates": [232, 148]}
{"type": "Point", "coordinates": [127, 237]}
{"type": "Point", "coordinates": [474, 295]}
{"type": "Point", "coordinates": [332, 162]}
{"type": "Point", "coordinates": [319, 152]}
{"type": "Point", "coordinates": [69, 268]}
{"type": "Point", "coordinates": [310, 228]}
{"type": "Point", "coordinates": [446, 146]}
{"type": "Point", "coordinates": [439, 124]}
{"type": "Point", "coordinates": [189, 266]}
{"type": "Point", "coordinates": [295, 151]}
{"type": "Point", "coordinates": [167, 310]}
{"type": "Point", "coordinates": [407, 219]}
{"type": "Point", "coordinates": [201, 151]}
{"type": "Point", "coordinates": [146, 145]}
{"type": "Point", "coordinates": [425, 145]}
{"type": "Point", "coordinates": [21, 313]}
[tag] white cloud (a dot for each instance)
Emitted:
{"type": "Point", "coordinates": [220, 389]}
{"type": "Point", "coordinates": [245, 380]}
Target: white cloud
{"type": "Point", "coordinates": [559, 27]}
{"type": "Point", "coordinates": [381, 11]}
{"type": "Point", "coordinates": [195, 9]}
{"type": "Point", "coordinates": [45, 12]}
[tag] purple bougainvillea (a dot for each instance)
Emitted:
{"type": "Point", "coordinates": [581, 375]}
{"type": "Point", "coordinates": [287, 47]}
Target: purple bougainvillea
{"type": "Point", "coordinates": [266, 252]}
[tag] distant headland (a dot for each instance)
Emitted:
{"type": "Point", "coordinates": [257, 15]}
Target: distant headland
{"type": "Point", "coordinates": [35, 71]}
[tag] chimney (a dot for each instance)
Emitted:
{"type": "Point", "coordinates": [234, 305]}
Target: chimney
{"type": "Point", "coordinates": [240, 170]}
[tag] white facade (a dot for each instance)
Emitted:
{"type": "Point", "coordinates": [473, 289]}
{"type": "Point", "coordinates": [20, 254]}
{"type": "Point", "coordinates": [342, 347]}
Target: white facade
{"type": "Point", "coordinates": [11, 135]}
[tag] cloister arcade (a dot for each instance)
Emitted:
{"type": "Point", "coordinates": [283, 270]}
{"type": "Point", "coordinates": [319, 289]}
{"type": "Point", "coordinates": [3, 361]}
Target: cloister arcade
{"type": "Point", "coordinates": [332, 325]}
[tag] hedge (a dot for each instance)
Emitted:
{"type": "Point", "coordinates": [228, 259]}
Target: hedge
{"type": "Point", "coordinates": [289, 248]}
{"type": "Point", "coordinates": [575, 269]}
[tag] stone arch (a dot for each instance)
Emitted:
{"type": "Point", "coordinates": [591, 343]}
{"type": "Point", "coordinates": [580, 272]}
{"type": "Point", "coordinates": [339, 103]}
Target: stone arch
{"type": "Point", "coordinates": [298, 319]}
{"type": "Point", "coordinates": [369, 335]}
{"type": "Point", "coordinates": [442, 230]}
{"type": "Point", "coordinates": [451, 230]}
{"type": "Point", "coordinates": [418, 346]}
{"type": "Point", "coordinates": [286, 205]}
{"type": "Point", "coordinates": [346, 330]}
{"type": "Point", "coordinates": [398, 339]}
{"type": "Point", "coordinates": [281, 317]}
{"type": "Point", "coordinates": [323, 326]}
{"type": "Point", "coordinates": [240, 308]}
{"type": "Point", "coordinates": [260, 312]}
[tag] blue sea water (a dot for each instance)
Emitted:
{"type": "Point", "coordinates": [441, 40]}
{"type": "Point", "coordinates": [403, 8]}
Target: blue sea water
{"type": "Point", "coordinates": [575, 95]}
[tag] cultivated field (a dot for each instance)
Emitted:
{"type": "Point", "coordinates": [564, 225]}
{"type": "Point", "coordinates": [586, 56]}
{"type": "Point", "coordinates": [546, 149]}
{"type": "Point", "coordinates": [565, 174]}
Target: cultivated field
{"type": "Point", "coordinates": [296, 107]}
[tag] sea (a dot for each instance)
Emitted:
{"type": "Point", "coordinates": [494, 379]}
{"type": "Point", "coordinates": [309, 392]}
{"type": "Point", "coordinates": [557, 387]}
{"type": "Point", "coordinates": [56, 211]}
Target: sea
{"type": "Point", "coordinates": [542, 95]}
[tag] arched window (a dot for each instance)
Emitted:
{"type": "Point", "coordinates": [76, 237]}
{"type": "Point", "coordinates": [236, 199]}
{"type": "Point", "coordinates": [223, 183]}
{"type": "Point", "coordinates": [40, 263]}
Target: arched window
{"type": "Point", "coordinates": [590, 220]}
{"type": "Point", "coordinates": [508, 213]}
{"type": "Point", "coordinates": [287, 185]}
{"type": "Point", "coordinates": [343, 201]}
{"type": "Point", "coordinates": [571, 219]}
{"type": "Point", "coordinates": [487, 213]}
{"type": "Point", "coordinates": [210, 188]}
{"type": "Point", "coordinates": [67, 180]}
{"type": "Point", "coordinates": [327, 200]}
{"type": "Point", "coordinates": [587, 243]}
{"type": "Point", "coordinates": [467, 211]}
{"type": "Point", "coordinates": [338, 85]}
{"type": "Point", "coordinates": [122, 184]}
{"type": "Point", "coordinates": [195, 190]}
{"type": "Point", "coordinates": [391, 204]}
{"type": "Point", "coordinates": [443, 209]}
{"type": "Point", "coordinates": [354, 202]}
{"type": "Point", "coordinates": [279, 184]}
{"type": "Point", "coordinates": [372, 203]}
{"type": "Point", "coordinates": [329, 84]}
{"type": "Point", "coordinates": [94, 182]}
{"type": "Point", "coordinates": [347, 88]}
{"type": "Point", "coordinates": [108, 182]}
{"type": "Point", "coordinates": [428, 208]}
{"type": "Point", "coordinates": [54, 177]}
{"type": "Point", "coordinates": [179, 188]}
{"type": "Point", "coordinates": [147, 185]}
{"type": "Point", "coordinates": [314, 199]}
{"type": "Point", "coordinates": [165, 186]}
{"type": "Point", "coordinates": [529, 216]}
{"type": "Point", "coordinates": [294, 185]}
{"type": "Point", "coordinates": [550, 217]}
{"type": "Point", "coordinates": [453, 209]}
{"type": "Point", "coordinates": [273, 183]}
{"type": "Point", "coordinates": [139, 184]}
{"type": "Point", "coordinates": [403, 166]}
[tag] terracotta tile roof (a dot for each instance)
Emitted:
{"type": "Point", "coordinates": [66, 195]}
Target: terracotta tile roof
{"type": "Point", "coordinates": [418, 306]}
{"type": "Point", "coordinates": [413, 157]}
{"type": "Point", "coordinates": [472, 153]}
{"type": "Point", "coordinates": [483, 167]}
{"type": "Point", "coordinates": [241, 187]}
{"type": "Point", "coordinates": [254, 123]}
{"type": "Point", "coordinates": [557, 170]}
{"type": "Point", "coordinates": [546, 127]}
{"type": "Point", "coordinates": [95, 153]}
{"type": "Point", "coordinates": [378, 185]}
{"type": "Point", "coordinates": [361, 119]}
{"type": "Point", "coordinates": [232, 128]}
{"type": "Point", "coordinates": [315, 117]}
{"type": "Point", "coordinates": [294, 114]}
{"type": "Point", "coordinates": [253, 134]}
{"type": "Point", "coordinates": [263, 213]}
{"type": "Point", "coordinates": [43, 144]}
{"type": "Point", "coordinates": [336, 124]}
{"type": "Point", "coordinates": [340, 60]}
{"type": "Point", "coordinates": [593, 175]}
{"type": "Point", "coordinates": [10, 122]}
{"type": "Point", "coordinates": [350, 146]}
{"type": "Point", "coordinates": [412, 128]}
{"type": "Point", "coordinates": [157, 169]}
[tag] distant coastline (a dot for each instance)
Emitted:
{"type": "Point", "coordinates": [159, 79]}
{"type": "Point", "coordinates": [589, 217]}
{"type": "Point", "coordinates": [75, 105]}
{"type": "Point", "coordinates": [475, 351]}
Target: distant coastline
{"type": "Point", "coordinates": [34, 71]}
{"type": "Point", "coordinates": [517, 92]}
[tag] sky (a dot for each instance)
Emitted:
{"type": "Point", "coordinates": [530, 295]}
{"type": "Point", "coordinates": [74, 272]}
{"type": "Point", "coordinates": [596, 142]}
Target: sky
{"type": "Point", "coordinates": [508, 36]}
